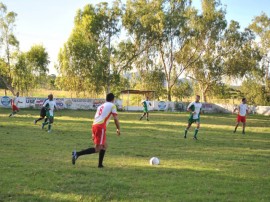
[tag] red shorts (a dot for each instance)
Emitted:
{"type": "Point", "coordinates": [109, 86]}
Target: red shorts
{"type": "Point", "coordinates": [98, 135]}
{"type": "Point", "coordinates": [15, 108]}
{"type": "Point", "coordinates": [241, 119]}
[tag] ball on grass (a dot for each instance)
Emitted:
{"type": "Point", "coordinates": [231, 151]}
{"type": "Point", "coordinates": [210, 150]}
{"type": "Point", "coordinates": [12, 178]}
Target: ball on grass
{"type": "Point", "coordinates": [154, 161]}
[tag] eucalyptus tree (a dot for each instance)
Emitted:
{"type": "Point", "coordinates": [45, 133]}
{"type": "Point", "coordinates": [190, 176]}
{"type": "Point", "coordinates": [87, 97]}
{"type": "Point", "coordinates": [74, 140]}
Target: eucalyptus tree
{"type": "Point", "coordinates": [8, 44]}
{"type": "Point", "coordinates": [228, 52]}
{"type": "Point", "coordinates": [261, 27]}
{"type": "Point", "coordinates": [163, 30]}
{"type": "Point", "coordinates": [30, 68]}
{"type": "Point", "coordinates": [85, 59]}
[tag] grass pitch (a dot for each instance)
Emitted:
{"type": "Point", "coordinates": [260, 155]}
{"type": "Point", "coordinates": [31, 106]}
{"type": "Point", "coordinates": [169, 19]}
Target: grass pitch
{"type": "Point", "coordinates": [221, 166]}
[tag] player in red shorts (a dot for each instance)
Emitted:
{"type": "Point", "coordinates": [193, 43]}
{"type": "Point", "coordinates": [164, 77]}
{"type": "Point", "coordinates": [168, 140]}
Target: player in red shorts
{"type": "Point", "coordinates": [101, 120]}
{"type": "Point", "coordinates": [14, 103]}
{"type": "Point", "coordinates": [241, 116]}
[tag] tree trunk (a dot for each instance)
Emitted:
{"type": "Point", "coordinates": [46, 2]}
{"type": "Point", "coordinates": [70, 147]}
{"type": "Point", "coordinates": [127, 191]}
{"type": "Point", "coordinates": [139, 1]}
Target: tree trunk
{"type": "Point", "coordinates": [12, 90]}
{"type": "Point", "coordinates": [169, 92]}
{"type": "Point", "coordinates": [204, 99]}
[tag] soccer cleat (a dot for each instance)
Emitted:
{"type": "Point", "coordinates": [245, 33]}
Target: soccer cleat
{"type": "Point", "coordinates": [234, 131]}
{"type": "Point", "coordinates": [49, 131]}
{"type": "Point", "coordinates": [35, 122]}
{"type": "Point", "coordinates": [185, 136]}
{"type": "Point", "coordinates": [100, 166]}
{"type": "Point", "coordinates": [147, 119]}
{"type": "Point", "coordinates": [243, 133]}
{"type": "Point", "coordinates": [195, 138]}
{"type": "Point", "coordinates": [74, 157]}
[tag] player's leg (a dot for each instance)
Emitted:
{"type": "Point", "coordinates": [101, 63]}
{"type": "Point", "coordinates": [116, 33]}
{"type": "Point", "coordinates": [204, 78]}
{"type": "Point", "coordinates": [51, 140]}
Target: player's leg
{"type": "Point", "coordinates": [46, 122]}
{"type": "Point", "coordinates": [143, 115]}
{"type": "Point", "coordinates": [196, 130]}
{"type": "Point", "coordinates": [238, 120]}
{"type": "Point", "coordinates": [42, 115]}
{"type": "Point", "coordinates": [39, 119]}
{"type": "Point", "coordinates": [101, 155]}
{"type": "Point", "coordinates": [236, 126]}
{"type": "Point", "coordinates": [186, 130]}
{"type": "Point", "coordinates": [96, 137]}
{"type": "Point", "coordinates": [244, 125]}
{"type": "Point", "coordinates": [15, 109]}
{"type": "Point", "coordinates": [51, 119]}
{"type": "Point", "coordinates": [147, 116]}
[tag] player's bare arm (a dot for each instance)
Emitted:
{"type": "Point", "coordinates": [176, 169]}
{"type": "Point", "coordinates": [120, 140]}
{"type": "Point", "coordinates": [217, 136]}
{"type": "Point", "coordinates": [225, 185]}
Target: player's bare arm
{"type": "Point", "coordinates": [117, 124]}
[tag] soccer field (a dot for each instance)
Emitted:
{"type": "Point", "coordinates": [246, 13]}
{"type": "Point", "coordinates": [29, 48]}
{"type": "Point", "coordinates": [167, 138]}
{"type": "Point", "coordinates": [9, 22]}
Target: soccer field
{"type": "Point", "coordinates": [220, 166]}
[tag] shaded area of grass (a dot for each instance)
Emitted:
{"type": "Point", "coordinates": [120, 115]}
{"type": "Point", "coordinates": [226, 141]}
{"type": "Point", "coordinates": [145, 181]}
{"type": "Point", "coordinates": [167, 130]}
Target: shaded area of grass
{"type": "Point", "coordinates": [221, 166]}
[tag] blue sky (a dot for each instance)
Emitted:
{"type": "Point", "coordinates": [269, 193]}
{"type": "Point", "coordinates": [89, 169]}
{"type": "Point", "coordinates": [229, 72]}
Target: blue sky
{"type": "Point", "coordinates": [49, 22]}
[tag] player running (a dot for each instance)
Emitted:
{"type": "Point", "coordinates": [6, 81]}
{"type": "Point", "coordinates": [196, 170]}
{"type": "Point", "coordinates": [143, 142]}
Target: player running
{"type": "Point", "coordinates": [101, 120]}
{"type": "Point", "coordinates": [42, 113]}
{"type": "Point", "coordinates": [195, 110]}
{"type": "Point", "coordinates": [14, 103]}
{"type": "Point", "coordinates": [146, 105]}
{"type": "Point", "coordinates": [241, 116]}
{"type": "Point", "coordinates": [49, 105]}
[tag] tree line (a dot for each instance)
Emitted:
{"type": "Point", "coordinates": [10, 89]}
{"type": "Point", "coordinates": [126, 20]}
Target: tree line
{"type": "Point", "coordinates": [164, 45]}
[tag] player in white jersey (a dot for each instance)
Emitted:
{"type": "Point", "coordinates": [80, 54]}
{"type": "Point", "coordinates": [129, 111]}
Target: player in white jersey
{"type": "Point", "coordinates": [101, 120]}
{"type": "Point", "coordinates": [49, 105]}
{"type": "Point", "coordinates": [14, 104]}
{"type": "Point", "coordinates": [241, 116]}
{"type": "Point", "coordinates": [146, 105]}
{"type": "Point", "coordinates": [195, 110]}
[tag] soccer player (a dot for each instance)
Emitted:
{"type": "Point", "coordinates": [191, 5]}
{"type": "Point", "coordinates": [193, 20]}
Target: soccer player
{"type": "Point", "coordinates": [101, 120]}
{"type": "Point", "coordinates": [195, 110]}
{"type": "Point", "coordinates": [14, 103]}
{"type": "Point", "coordinates": [42, 113]}
{"type": "Point", "coordinates": [146, 105]}
{"type": "Point", "coordinates": [49, 105]}
{"type": "Point", "coordinates": [241, 116]}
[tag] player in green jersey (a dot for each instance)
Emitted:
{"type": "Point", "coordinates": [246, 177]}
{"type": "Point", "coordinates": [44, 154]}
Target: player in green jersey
{"type": "Point", "coordinates": [195, 110]}
{"type": "Point", "coordinates": [146, 105]}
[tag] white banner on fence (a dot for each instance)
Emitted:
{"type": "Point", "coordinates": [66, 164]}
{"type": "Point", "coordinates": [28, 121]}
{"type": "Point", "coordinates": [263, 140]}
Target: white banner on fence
{"type": "Point", "coordinates": [62, 103]}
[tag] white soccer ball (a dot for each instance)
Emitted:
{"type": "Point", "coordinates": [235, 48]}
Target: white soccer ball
{"type": "Point", "coordinates": [154, 161]}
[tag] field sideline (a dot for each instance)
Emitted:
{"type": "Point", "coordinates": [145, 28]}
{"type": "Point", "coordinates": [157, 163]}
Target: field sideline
{"type": "Point", "coordinates": [221, 166]}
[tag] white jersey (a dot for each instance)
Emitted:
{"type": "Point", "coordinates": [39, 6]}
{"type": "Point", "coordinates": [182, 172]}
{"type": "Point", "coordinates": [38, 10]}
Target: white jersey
{"type": "Point", "coordinates": [16, 100]}
{"type": "Point", "coordinates": [103, 114]}
{"type": "Point", "coordinates": [146, 104]}
{"type": "Point", "coordinates": [195, 106]}
{"type": "Point", "coordinates": [52, 104]}
{"type": "Point", "coordinates": [243, 109]}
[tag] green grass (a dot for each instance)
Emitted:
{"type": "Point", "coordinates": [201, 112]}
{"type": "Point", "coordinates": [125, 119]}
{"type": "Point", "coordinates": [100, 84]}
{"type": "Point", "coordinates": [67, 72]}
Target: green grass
{"type": "Point", "coordinates": [221, 166]}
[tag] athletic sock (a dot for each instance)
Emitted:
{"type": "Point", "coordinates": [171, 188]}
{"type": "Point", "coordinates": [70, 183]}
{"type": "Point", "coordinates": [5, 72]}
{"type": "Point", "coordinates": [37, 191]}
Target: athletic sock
{"type": "Point", "coordinates": [86, 151]}
{"type": "Point", "coordinates": [101, 157]}
{"type": "Point", "coordinates": [186, 130]}
{"type": "Point", "coordinates": [49, 127]}
{"type": "Point", "coordinates": [38, 119]}
{"type": "Point", "coordinates": [196, 132]}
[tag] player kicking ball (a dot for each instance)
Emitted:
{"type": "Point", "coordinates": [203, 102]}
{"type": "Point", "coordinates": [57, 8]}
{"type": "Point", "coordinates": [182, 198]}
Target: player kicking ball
{"type": "Point", "coordinates": [14, 103]}
{"type": "Point", "coordinates": [241, 116]}
{"type": "Point", "coordinates": [195, 110]}
{"type": "Point", "coordinates": [101, 120]}
{"type": "Point", "coordinates": [49, 106]}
